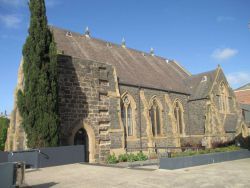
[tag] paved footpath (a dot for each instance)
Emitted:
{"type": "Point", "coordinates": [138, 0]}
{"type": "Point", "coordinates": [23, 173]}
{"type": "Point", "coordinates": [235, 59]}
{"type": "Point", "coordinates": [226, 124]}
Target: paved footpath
{"type": "Point", "coordinates": [233, 174]}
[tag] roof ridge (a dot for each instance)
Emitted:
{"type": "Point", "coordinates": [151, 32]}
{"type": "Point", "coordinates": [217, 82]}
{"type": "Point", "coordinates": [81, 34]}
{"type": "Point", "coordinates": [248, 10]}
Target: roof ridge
{"type": "Point", "coordinates": [200, 74]}
{"type": "Point", "coordinates": [116, 44]}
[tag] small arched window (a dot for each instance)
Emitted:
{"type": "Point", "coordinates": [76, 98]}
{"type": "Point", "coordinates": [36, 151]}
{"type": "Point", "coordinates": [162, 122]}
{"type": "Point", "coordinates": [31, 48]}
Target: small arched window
{"type": "Point", "coordinates": [224, 106]}
{"type": "Point", "coordinates": [127, 113]}
{"type": "Point", "coordinates": [178, 114]}
{"type": "Point", "coordinates": [154, 113]}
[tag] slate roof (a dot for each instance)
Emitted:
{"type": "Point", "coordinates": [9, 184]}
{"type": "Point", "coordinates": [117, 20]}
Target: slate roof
{"type": "Point", "coordinates": [246, 108]}
{"type": "Point", "coordinates": [245, 87]}
{"type": "Point", "coordinates": [135, 67]}
{"type": "Point", "coordinates": [132, 66]}
{"type": "Point", "coordinates": [200, 84]}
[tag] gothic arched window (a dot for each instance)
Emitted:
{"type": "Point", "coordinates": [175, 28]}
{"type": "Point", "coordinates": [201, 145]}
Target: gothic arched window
{"type": "Point", "coordinates": [224, 106]}
{"type": "Point", "coordinates": [127, 114]}
{"type": "Point", "coordinates": [154, 113]}
{"type": "Point", "coordinates": [178, 114]}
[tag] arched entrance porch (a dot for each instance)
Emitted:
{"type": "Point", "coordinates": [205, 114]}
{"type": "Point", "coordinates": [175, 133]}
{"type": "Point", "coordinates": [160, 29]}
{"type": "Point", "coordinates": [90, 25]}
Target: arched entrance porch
{"type": "Point", "coordinates": [81, 138]}
{"type": "Point", "coordinates": [83, 134]}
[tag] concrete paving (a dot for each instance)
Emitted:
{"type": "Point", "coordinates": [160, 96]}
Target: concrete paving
{"type": "Point", "coordinates": [233, 174]}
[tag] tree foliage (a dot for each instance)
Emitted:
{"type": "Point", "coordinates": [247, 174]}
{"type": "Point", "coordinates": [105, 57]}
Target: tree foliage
{"type": "Point", "coordinates": [38, 102]}
{"type": "Point", "coordinates": [4, 124]}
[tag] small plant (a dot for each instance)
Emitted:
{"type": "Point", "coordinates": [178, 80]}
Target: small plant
{"type": "Point", "coordinates": [112, 159]}
{"type": "Point", "coordinates": [132, 157]}
{"type": "Point", "coordinates": [123, 158]}
{"type": "Point", "coordinates": [141, 156]}
{"type": "Point", "coordinates": [206, 151]}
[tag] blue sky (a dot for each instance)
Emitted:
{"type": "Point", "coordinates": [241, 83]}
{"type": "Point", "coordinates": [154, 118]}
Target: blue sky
{"type": "Point", "coordinates": [200, 34]}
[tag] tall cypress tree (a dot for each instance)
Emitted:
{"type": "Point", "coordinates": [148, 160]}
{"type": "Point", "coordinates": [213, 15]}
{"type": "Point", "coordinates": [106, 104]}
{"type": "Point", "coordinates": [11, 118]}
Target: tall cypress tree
{"type": "Point", "coordinates": [38, 102]}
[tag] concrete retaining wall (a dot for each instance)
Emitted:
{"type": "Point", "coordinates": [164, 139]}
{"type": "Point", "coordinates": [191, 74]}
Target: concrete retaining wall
{"type": "Point", "coordinates": [3, 157]}
{"type": "Point", "coordinates": [51, 156]}
{"type": "Point", "coordinates": [183, 162]}
{"type": "Point", "coordinates": [6, 175]}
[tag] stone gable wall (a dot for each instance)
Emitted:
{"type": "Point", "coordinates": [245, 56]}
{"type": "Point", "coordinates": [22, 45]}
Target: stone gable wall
{"type": "Point", "coordinates": [87, 96]}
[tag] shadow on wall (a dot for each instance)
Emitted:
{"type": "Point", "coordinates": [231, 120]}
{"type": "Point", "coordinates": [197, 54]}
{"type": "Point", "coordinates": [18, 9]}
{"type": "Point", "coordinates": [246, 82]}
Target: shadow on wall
{"type": "Point", "coordinates": [244, 142]}
{"type": "Point", "coordinates": [73, 106]}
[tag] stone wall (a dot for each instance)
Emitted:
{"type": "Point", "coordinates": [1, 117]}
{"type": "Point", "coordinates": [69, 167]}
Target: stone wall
{"type": "Point", "coordinates": [16, 138]}
{"type": "Point", "coordinates": [88, 99]}
{"type": "Point", "coordinates": [197, 117]}
{"type": "Point", "coordinates": [169, 135]}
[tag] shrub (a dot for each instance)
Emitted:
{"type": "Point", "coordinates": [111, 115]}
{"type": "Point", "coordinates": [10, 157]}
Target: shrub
{"type": "Point", "coordinates": [112, 159]}
{"type": "Point", "coordinates": [4, 124]}
{"type": "Point", "coordinates": [141, 156]}
{"type": "Point", "coordinates": [123, 158]}
{"type": "Point", "coordinates": [206, 151]}
{"type": "Point", "coordinates": [132, 157]}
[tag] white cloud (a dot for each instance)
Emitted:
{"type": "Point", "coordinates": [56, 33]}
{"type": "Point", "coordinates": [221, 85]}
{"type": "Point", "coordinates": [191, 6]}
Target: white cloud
{"type": "Point", "coordinates": [15, 3]}
{"type": "Point", "coordinates": [225, 19]}
{"type": "Point", "coordinates": [237, 79]}
{"type": "Point", "coordinates": [11, 20]}
{"type": "Point", "coordinates": [223, 54]}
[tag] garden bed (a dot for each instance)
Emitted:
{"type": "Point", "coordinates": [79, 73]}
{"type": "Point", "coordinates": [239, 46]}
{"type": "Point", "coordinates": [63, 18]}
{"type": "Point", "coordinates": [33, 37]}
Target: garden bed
{"type": "Point", "coordinates": [205, 151]}
{"type": "Point", "coordinates": [197, 158]}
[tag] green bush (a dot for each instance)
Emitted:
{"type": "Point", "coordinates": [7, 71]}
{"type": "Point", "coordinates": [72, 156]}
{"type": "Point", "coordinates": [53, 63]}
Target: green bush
{"type": "Point", "coordinates": [123, 157]}
{"type": "Point", "coordinates": [4, 124]}
{"type": "Point", "coordinates": [206, 151]}
{"type": "Point", "coordinates": [112, 159]}
{"type": "Point", "coordinates": [131, 157]}
{"type": "Point", "coordinates": [141, 156]}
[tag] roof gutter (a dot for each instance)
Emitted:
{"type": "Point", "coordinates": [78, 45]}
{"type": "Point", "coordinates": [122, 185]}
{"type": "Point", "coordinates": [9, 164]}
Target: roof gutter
{"type": "Point", "coordinates": [203, 98]}
{"type": "Point", "coordinates": [147, 87]}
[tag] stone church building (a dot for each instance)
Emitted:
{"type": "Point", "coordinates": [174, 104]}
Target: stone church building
{"type": "Point", "coordinates": [115, 99]}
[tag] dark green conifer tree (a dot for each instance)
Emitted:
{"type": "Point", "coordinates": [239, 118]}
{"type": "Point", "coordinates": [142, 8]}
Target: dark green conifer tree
{"type": "Point", "coordinates": [38, 102]}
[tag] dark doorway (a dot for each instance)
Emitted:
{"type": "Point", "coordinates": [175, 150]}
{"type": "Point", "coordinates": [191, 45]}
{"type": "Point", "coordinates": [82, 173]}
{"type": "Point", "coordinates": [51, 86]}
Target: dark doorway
{"type": "Point", "coordinates": [81, 138]}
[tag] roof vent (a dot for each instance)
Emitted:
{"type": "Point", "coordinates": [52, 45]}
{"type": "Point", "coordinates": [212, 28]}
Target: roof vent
{"type": "Point", "coordinates": [123, 42]}
{"type": "Point", "coordinates": [204, 79]}
{"type": "Point", "coordinates": [69, 34]}
{"type": "Point", "coordinates": [167, 61]}
{"type": "Point", "coordinates": [109, 44]}
{"type": "Point", "coordinates": [152, 51]}
{"type": "Point", "coordinates": [87, 32]}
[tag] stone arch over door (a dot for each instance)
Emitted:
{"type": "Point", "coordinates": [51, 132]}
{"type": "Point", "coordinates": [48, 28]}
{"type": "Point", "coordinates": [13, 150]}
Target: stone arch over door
{"type": "Point", "coordinates": [91, 139]}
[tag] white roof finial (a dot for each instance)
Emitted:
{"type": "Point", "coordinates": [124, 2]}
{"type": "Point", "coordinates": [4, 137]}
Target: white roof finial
{"type": "Point", "coordinates": [123, 42]}
{"type": "Point", "coordinates": [152, 51]}
{"type": "Point", "coordinates": [87, 32]}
